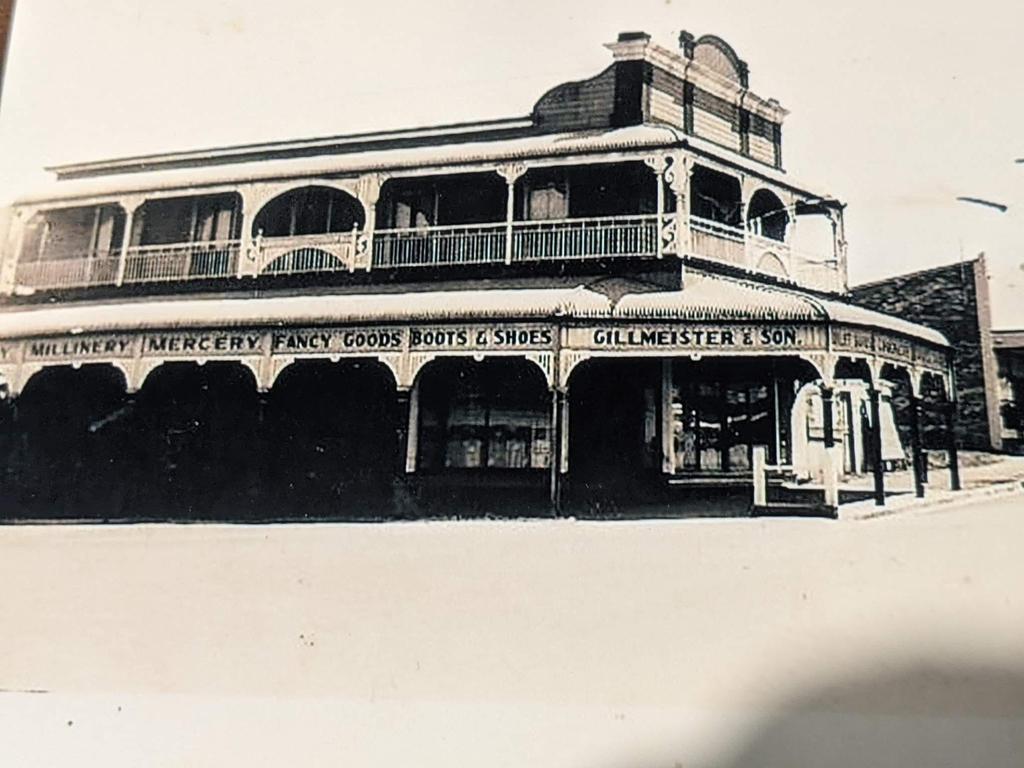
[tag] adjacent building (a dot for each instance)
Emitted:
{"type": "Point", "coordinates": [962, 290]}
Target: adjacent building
{"type": "Point", "coordinates": [614, 298]}
{"type": "Point", "coordinates": [954, 299]}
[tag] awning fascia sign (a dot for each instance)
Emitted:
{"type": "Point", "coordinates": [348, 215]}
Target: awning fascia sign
{"type": "Point", "coordinates": [400, 343]}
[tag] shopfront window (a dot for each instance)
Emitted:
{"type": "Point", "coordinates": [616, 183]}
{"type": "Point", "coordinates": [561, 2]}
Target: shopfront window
{"type": "Point", "coordinates": [719, 415]}
{"type": "Point", "coordinates": [483, 416]}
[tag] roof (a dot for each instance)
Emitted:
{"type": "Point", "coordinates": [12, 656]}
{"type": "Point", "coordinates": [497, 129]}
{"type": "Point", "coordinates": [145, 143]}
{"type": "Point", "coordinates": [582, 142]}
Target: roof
{"type": "Point", "coordinates": [647, 136]}
{"type": "Point", "coordinates": [708, 298]}
{"type": "Point", "coordinates": [338, 143]}
{"type": "Point", "coordinates": [377, 160]}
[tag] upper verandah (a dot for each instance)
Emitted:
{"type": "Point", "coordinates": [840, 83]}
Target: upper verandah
{"type": "Point", "coordinates": [661, 154]}
{"type": "Point", "coordinates": [702, 92]}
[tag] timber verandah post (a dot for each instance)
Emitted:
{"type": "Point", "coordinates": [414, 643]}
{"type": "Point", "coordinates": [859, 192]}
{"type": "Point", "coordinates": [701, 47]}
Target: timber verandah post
{"type": "Point", "coordinates": [660, 164]}
{"type": "Point", "coordinates": [878, 465]}
{"type": "Point", "coordinates": [130, 207]}
{"type": "Point", "coordinates": [264, 464]}
{"type": "Point", "coordinates": [558, 406]}
{"type": "Point", "coordinates": [916, 450]}
{"type": "Point", "coordinates": [405, 425]}
{"type": "Point", "coordinates": [950, 408]}
{"type": "Point", "coordinates": [511, 174]}
{"type": "Point", "coordinates": [831, 469]}
{"type": "Point", "coordinates": [559, 421]}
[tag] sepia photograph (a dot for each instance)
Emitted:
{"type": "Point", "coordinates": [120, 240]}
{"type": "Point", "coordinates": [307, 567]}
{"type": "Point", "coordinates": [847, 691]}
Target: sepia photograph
{"type": "Point", "coordinates": [570, 384]}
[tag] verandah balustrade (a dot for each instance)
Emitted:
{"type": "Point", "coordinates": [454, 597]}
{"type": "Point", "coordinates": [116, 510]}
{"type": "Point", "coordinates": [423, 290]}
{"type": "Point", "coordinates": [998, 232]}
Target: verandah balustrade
{"type": "Point", "coordinates": [445, 246]}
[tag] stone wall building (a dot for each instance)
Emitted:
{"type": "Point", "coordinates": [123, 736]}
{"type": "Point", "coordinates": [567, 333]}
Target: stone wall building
{"type": "Point", "coordinates": [954, 299]}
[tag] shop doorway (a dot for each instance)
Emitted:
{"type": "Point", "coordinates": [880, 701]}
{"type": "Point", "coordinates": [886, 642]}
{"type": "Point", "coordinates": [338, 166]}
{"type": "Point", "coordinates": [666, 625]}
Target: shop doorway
{"type": "Point", "coordinates": [330, 442]}
{"type": "Point", "coordinates": [67, 452]}
{"type": "Point", "coordinates": [194, 446]}
{"type": "Point", "coordinates": [614, 435]}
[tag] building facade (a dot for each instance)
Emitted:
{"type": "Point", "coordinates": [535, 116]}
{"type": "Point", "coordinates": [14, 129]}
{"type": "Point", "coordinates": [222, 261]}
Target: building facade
{"type": "Point", "coordinates": [618, 296]}
{"type": "Point", "coordinates": [955, 300]}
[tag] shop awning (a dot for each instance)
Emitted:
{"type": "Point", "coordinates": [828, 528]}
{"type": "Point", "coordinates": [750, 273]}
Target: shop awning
{"type": "Point", "coordinates": [436, 306]}
{"type": "Point", "coordinates": [706, 298]}
{"type": "Point", "coordinates": [711, 298]}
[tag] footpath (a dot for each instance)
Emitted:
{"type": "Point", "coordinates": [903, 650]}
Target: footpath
{"type": "Point", "coordinates": [982, 476]}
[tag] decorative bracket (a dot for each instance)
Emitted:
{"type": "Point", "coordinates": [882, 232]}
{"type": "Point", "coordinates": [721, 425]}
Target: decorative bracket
{"type": "Point", "coordinates": [511, 172]}
{"type": "Point", "coordinates": [368, 189]}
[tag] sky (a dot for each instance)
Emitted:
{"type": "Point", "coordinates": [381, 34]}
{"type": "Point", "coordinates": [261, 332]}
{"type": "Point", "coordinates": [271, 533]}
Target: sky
{"type": "Point", "coordinates": [897, 108]}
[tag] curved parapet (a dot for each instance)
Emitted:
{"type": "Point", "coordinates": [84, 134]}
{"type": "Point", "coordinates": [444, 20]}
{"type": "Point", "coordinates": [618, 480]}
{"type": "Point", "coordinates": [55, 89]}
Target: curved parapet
{"type": "Point", "coordinates": [720, 57]}
{"type": "Point", "coordinates": [579, 105]}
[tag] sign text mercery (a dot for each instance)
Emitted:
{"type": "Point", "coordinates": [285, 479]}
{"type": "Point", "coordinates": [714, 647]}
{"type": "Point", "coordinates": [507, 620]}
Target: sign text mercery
{"type": "Point", "coordinates": [203, 343]}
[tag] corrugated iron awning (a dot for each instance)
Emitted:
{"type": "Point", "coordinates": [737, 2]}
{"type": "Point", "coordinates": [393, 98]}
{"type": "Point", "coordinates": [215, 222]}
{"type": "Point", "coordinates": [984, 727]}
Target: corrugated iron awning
{"type": "Point", "coordinates": [516, 303]}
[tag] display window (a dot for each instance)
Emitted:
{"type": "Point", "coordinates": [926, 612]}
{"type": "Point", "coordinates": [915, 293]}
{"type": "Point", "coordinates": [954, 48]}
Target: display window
{"type": "Point", "coordinates": [718, 416]}
{"type": "Point", "coordinates": [483, 416]}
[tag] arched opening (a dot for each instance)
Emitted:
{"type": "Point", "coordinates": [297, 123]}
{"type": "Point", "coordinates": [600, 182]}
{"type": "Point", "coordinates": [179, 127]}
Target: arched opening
{"type": "Point", "coordinates": [304, 260]}
{"type": "Point", "coordinates": [716, 216]}
{"type": "Point", "coordinates": [771, 264]}
{"type": "Point", "coordinates": [905, 411]}
{"type": "Point", "coordinates": [312, 210]}
{"type": "Point", "coordinates": [934, 399]}
{"type": "Point", "coordinates": [196, 445]}
{"type": "Point", "coordinates": [330, 432]}
{"type": "Point", "coordinates": [867, 437]}
{"type": "Point", "coordinates": [767, 216]}
{"type": "Point", "coordinates": [71, 438]}
{"type": "Point", "coordinates": [483, 425]}
{"type": "Point", "coordinates": [614, 445]}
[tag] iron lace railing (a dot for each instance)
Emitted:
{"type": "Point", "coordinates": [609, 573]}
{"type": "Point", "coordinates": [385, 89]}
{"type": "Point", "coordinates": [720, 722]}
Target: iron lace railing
{"type": "Point", "coordinates": [618, 236]}
{"type": "Point", "coordinates": [549, 240]}
{"type": "Point", "coordinates": [303, 254]}
{"type": "Point", "coordinates": [439, 246]}
{"type": "Point", "coordinates": [77, 270]}
{"type": "Point", "coordinates": [183, 261]}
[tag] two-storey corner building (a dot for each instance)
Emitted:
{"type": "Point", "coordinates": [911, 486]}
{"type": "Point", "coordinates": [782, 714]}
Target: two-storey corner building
{"type": "Point", "coordinates": [616, 297]}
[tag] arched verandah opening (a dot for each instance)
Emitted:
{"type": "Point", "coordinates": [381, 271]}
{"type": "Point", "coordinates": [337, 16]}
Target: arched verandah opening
{"type": "Point", "coordinates": [670, 436]}
{"type": "Point", "coordinates": [67, 444]}
{"type": "Point", "coordinates": [195, 435]}
{"type": "Point", "coordinates": [483, 437]}
{"type": "Point", "coordinates": [613, 448]}
{"type": "Point", "coordinates": [330, 440]}
{"type": "Point", "coordinates": [767, 216]}
{"type": "Point", "coordinates": [311, 210]}
{"type": "Point", "coordinates": [308, 229]}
